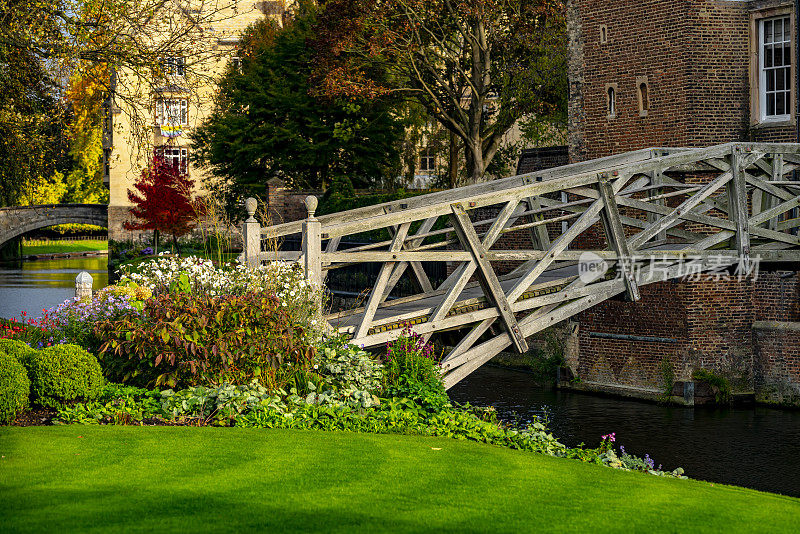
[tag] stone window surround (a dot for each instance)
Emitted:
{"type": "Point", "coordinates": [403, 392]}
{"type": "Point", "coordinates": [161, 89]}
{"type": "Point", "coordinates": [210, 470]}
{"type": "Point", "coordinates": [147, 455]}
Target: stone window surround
{"type": "Point", "coordinates": [643, 99]}
{"type": "Point", "coordinates": [611, 110]}
{"type": "Point", "coordinates": [754, 78]}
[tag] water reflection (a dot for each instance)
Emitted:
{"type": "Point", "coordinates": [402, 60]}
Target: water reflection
{"type": "Point", "coordinates": [752, 447]}
{"type": "Point", "coordinates": [31, 286]}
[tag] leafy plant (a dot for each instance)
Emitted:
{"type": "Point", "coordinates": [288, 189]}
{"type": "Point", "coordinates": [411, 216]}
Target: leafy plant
{"type": "Point", "coordinates": [17, 349]}
{"type": "Point", "coordinates": [219, 405]}
{"type": "Point", "coordinates": [64, 373]}
{"type": "Point", "coordinates": [719, 384]}
{"type": "Point", "coordinates": [14, 388]}
{"type": "Point", "coordinates": [116, 404]}
{"type": "Point", "coordinates": [344, 374]}
{"type": "Point", "coordinates": [187, 339]}
{"type": "Point", "coordinates": [410, 370]}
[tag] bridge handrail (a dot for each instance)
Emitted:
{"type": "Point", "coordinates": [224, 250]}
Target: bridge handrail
{"type": "Point", "coordinates": [529, 184]}
{"type": "Point", "coordinates": [40, 206]}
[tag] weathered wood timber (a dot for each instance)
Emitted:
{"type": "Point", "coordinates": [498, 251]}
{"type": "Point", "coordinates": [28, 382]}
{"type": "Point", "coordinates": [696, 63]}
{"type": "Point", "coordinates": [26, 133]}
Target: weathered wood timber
{"type": "Point", "coordinates": [656, 228]}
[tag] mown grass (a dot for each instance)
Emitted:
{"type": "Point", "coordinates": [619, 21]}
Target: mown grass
{"type": "Point", "coordinates": [145, 479]}
{"type": "Point", "coordinates": [58, 247]}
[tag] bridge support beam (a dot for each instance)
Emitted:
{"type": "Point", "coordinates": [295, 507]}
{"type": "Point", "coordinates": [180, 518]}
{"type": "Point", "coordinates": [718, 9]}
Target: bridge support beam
{"type": "Point", "coordinates": [488, 279]}
{"type": "Point", "coordinates": [616, 237]}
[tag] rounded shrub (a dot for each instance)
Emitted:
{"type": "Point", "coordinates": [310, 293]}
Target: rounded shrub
{"type": "Point", "coordinates": [19, 350]}
{"type": "Point", "coordinates": [64, 373]}
{"type": "Point", "coordinates": [14, 388]}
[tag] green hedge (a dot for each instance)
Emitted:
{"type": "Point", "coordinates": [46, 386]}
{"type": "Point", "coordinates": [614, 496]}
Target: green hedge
{"type": "Point", "coordinates": [14, 388]}
{"type": "Point", "coordinates": [64, 373]}
{"type": "Point", "coordinates": [19, 350]}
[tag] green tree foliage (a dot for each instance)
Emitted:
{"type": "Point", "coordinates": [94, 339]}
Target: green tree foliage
{"type": "Point", "coordinates": [86, 95]}
{"type": "Point", "coordinates": [267, 124]}
{"type": "Point", "coordinates": [31, 121]}
{"type": "Point", "coordinates": [476, 66]}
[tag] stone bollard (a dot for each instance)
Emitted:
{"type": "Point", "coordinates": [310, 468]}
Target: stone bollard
{"type": "Point", "coordinates": [83, 286]}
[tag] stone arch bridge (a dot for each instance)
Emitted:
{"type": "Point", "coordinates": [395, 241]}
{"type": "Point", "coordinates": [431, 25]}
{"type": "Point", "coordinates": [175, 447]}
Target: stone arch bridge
{"type": "Point", "coordinates": [18, 220]}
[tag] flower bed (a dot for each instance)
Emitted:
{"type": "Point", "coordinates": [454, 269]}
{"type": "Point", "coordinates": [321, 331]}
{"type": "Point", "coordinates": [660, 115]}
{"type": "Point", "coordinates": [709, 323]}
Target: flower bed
{"type": "Point", "coordinates": [185, 342]}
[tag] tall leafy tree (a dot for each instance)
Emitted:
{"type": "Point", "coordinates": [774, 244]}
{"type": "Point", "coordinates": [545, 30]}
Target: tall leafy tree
{"type": "Point", "coordinates": [266, 122]}
{"type": "Point", "coordinates": [162, 201]}
{"type": "Point", "coordinates": [477, 66]}
{"type": "Point", "coordinates": [32, 148]}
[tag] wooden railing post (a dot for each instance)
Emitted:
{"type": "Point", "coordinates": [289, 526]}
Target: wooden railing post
{"type": "Point", "coordinates": [312, 244]}
{"type": "Point", "coordinates": [251, 233]}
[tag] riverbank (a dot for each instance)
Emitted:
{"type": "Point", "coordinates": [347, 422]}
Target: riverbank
{"type": "Point", "coordinates": [59, 248]}
{"type": "Point", "coordinates": [134, 479]}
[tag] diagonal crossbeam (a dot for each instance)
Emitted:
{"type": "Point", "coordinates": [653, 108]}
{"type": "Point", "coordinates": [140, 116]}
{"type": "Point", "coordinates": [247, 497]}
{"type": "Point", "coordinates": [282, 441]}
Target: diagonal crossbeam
{"type": "Point", "coordinates": [491, 285]}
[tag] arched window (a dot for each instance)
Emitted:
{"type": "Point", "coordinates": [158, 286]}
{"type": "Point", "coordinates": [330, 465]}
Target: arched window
{"type": "Point", "coordinates": [603, 34]}
{"type": "Point", "coordinates": [643, 94]}
{"type": "Point", "coordinates": [611, 101]}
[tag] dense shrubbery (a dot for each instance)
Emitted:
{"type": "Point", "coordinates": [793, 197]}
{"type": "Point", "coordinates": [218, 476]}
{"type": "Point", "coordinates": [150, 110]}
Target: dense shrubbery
{"type": "Point", "coordinates": [14, 388]}
{"type": "Point", "coordinates": [184, 339]}
{"type": "Point", "coordinates": [411, 371]}
{"type": "Point", "coordinates": [63, 373]}
{"type": "Point", "coordinates": [16, 348]}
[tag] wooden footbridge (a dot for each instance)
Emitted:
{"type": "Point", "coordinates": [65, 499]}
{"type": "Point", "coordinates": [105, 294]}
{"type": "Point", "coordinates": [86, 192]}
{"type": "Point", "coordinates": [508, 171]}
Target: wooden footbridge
{"type": "Point", "coordinates": [663, 213]}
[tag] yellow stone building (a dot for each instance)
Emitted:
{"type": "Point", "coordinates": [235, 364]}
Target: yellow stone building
{"type": "Point", "coordinates": [155, 108]}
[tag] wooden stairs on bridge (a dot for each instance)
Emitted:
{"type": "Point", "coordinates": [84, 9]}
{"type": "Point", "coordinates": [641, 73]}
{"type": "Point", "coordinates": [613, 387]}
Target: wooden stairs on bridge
{"type": "Point", "coordinates": [664, 213]}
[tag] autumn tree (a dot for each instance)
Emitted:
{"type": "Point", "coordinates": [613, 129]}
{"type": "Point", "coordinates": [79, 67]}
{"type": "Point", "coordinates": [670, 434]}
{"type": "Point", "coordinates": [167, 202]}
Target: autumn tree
{"type": "Point", "coordinates": [162, 199]}
{"type": "Point", "coordinates": [266, 122]}
{"type": "Point", "coordinates": [477, 66]}
{"type": "Point", "coordinates": [117, 48]}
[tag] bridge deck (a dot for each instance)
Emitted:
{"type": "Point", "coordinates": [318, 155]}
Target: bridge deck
{"type": "Point", "coordinates": [721, 207]}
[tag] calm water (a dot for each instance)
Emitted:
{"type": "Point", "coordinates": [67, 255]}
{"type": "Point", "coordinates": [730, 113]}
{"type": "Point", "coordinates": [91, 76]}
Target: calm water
{"type": "Point", "coordinates": [33, 285]}
{"type": "Point", "coordinates": [752, 447]}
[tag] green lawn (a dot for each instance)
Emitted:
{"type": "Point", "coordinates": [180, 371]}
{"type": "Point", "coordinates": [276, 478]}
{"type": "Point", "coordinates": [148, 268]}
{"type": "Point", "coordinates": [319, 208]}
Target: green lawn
{"type": "Point", "coordinates": [145, 479]}
{"type": "Point", "coordinates": [57, 247]}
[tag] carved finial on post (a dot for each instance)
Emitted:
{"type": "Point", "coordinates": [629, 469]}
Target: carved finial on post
{"type": "Point", "coordinates": [311, 203]}
{"type": "Point", "coordinates": [251, 234]}
{"type": "Point", "coordinates": [83, 286]}
{"type": "Point", "coordinates": [250, 205]}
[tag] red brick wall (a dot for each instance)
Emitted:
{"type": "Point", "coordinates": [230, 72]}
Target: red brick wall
{"type": "Point", "coordinates": [777, 362]}
{"type": "Point", "coordinates": [694, 54]}
{"type": "Point", "coordinates": [708, 321]}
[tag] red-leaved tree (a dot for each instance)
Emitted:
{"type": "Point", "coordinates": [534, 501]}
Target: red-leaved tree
{"type": "Point", "coordinates": [162, 199]}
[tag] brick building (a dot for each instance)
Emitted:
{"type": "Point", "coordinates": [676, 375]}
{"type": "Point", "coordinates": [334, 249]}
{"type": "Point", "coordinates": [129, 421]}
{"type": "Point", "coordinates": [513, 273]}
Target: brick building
{"type": "Point", "coordinates": [649, 73]}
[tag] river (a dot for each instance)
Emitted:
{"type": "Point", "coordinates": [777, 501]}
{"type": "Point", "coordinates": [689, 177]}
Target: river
{"type": "Point", "coordinates": [31, 286]}
{"type": "Point", "coordinates": [752, 447]}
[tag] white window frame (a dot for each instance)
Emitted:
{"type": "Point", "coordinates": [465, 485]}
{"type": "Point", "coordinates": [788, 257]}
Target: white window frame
{"type": "Point", "coordinates": [172, 112]}
{"type": "Point", "coordinates": [175, 156]}
{"type": "Point", "coordinates": [764, 71]}
{"type": "Point", "coordinates": [427, 161]}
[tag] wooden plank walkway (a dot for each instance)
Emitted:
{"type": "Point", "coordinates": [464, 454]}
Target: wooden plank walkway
{"type": "Point", "coordinates": [660, 211]}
